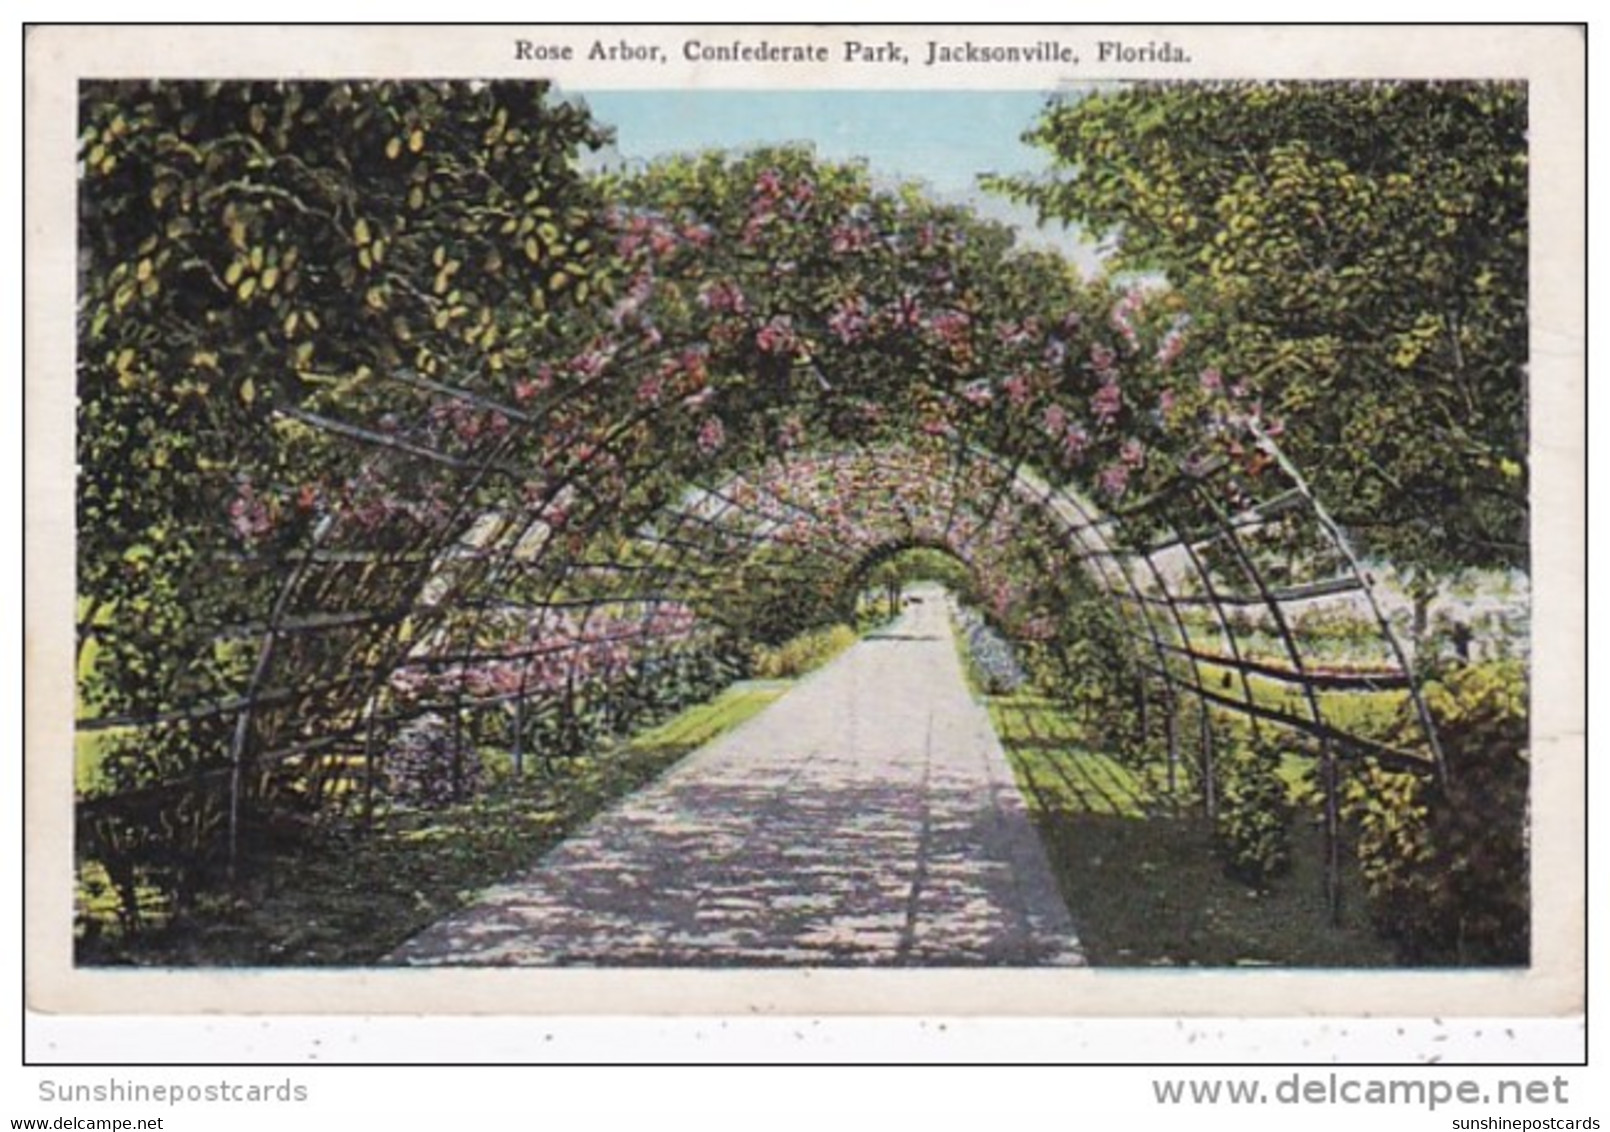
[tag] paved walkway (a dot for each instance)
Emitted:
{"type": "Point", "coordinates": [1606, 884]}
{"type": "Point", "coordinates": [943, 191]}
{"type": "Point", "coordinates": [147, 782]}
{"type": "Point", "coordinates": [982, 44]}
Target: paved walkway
{"type": "Point", "coordinates": [866, 818]}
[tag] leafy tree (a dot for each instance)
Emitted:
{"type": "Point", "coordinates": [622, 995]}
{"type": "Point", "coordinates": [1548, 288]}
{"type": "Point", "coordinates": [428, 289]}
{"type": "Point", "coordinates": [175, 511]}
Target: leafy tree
{"type": "Point", "coordinates": [255, 257]}
{"type": "Point", "coordinates": [890, 573]}
{"type": "Point", "coordinates": [252, 248]}
{"type": "Point", "coordinates": [1354, 256]}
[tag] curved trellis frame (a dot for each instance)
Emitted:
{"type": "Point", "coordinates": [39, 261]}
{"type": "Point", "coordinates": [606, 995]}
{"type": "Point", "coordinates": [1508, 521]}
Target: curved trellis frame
{"type": "Point", "coordinates": [502, 548]}
{"type": "Point", "coordinates": [718, 526]}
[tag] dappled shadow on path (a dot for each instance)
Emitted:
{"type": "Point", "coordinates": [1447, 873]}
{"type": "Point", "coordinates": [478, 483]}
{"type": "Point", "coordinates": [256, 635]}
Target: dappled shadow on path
{"type": "Point", "coordinates": [717, 874]}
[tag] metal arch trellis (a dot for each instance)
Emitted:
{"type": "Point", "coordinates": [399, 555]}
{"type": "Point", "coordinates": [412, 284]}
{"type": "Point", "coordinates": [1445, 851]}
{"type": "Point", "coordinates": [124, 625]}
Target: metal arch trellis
{"type": "Point", "coordinates": [1085, 530]}
{"type": "Point", "coordinates": [716, 520]}
{"type": "Point", "coordinates": [681, 547]}
{"type": "Point", "coordinates": [423, 554]}
{"type": "Point", "coordinates": [1094, 547]}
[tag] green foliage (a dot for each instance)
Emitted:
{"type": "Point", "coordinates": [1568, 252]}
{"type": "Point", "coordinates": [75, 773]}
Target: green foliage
{"type": "Point", "coordinates": [248, 248]}
{"type": "Point", "coordinates": [804, 653]}
{"type": "Point", "coordinates": [886, 575]}
{"type": "Point", "coordinates": [1356, 255]}
{"type": "Point", "coordinates": [1132, 869]}
{"type": "Point", "coordinates": [703, 723]}
{"type": "Point", "coordinates": [1087, 661]}
{"type": "Point", "coordinates": [429, 766]}
{"type": "Point", "coordinates": [773, 595]}
{"type": "Point", "coordinates": [1447, 867]}
{"type": "Point", "coordinates": [1344, 626]}
{"type": "Point", "coordinates": [358, 894]}
{"type": "Point", "coordinates": [251, 253]}
{"type": "Point", "coordinates": [1253, 822]}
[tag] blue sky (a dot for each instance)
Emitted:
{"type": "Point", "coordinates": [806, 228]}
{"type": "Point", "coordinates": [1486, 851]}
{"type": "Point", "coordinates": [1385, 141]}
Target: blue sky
{"type": "Point", "coordinates": [943, 139]}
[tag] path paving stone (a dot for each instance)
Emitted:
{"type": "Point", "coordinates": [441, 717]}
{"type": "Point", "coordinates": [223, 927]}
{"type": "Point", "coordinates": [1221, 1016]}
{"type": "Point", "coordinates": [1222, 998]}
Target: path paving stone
{"type": "Point", "coordinates": [868, 817]}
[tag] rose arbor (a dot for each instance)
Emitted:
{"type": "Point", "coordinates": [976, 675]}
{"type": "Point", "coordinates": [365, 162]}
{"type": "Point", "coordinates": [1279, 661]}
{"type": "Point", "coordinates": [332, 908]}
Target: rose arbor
{"type": "Point", "coordinates": [387, 414]}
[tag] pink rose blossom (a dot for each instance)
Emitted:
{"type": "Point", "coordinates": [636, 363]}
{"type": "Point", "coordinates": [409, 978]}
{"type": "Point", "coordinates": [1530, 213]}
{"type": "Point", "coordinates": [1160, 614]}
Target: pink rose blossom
{"type": "Point", "coordinates": [1056, 420]}
{"type": "Point", "coordinates": [777, 336]}
{"type": "Point", "coordinates": [978, 393]}
{"type": "Point", "coordinates": [712, 435]}
{"type": "Point", "coordinates": [1107, 402]}
{"type": "Point", "coordinates": [1114, 479]}
{"type": "Point", "coordinates": [1017, 389]}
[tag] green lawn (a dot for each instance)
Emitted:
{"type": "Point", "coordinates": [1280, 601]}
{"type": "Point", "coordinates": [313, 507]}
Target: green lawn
{"type": "Point", "coordinates": [1367, 713]}
{"type": "Point", "coordinates": [1138, 872]}
{"type": "Point", "coordinates": [699, 725]}
{"type": "Point", "coordinates": [335, 894]}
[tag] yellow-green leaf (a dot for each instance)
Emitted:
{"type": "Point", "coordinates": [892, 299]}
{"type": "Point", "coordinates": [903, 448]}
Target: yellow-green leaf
{"type": "Point", "coordinates": [248, 391]}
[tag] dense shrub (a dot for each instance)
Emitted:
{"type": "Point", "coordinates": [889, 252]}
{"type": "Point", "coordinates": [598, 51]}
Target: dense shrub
{"type": "Point", "coordinates": [1446, 868]}
{"type": "Point", "coordinates": [427, 766]}
{"type": "Point", "coordinates": [1252, 827]}
{"type": "Point", "coordinates": [803, 653]}
{"type": "Point", "coordinates": [1088, 662]}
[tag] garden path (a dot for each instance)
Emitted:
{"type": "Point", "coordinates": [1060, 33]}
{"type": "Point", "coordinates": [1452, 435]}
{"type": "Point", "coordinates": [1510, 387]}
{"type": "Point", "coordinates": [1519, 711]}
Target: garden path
{"type": "Point", "coordinates": [868, 817]}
